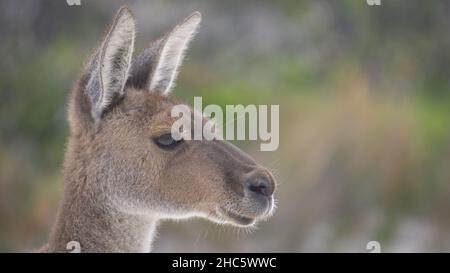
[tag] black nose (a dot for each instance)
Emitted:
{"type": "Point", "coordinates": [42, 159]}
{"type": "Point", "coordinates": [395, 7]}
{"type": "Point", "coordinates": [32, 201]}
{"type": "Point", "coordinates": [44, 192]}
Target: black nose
{"type": "Point", "coordinates": [259, 186]}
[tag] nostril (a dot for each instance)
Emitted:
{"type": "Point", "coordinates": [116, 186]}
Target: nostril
{"type": "Point", "coordinates": [261, 189]}
{"type": "Point", "coordinates": [259, 186]}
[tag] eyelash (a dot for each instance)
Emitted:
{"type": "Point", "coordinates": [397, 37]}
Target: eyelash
{"type": "Point", "coordinates": [159, 141]}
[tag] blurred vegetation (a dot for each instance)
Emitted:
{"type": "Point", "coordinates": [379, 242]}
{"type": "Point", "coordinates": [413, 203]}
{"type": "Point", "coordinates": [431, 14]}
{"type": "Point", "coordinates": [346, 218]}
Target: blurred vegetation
{"type": "Point", "coordinates": [364, 96]}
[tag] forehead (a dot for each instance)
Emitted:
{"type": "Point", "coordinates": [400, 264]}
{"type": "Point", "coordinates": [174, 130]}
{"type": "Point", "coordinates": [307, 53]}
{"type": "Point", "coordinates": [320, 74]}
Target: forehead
{"type": "Point", "coordinates": [145, 101]}
{"type": "Point", "coordinates": [154, 108]}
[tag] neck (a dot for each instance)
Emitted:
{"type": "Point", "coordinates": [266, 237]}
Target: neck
{"type": "Point", "coordinates": [88, 216]}
{"type": "Point", "coordinates": [97, 225]}
{"type": "Point", "coordinates": [100, 229]}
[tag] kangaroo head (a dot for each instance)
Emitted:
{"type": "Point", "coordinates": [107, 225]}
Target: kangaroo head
{"type": "Point", "coordinates": [120, 122]}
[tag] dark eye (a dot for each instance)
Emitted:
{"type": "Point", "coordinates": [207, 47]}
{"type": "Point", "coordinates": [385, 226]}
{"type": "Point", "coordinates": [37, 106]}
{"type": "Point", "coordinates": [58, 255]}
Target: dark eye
{"type": "Point", "coordinates": [166, 142]}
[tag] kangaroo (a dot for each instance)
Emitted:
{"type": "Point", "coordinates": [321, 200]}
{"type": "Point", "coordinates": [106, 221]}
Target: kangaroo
{"type": "Point", "coordinates": [123, 170]}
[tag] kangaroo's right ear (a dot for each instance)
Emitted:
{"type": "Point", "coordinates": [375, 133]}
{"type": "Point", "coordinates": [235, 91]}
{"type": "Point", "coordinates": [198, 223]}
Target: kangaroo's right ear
{"type": "Point", "coordinates": [105, 74]}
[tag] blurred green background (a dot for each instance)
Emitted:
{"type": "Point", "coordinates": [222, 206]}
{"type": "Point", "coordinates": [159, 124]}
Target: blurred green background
{"type": "Point", "coordinates": [364, 97]}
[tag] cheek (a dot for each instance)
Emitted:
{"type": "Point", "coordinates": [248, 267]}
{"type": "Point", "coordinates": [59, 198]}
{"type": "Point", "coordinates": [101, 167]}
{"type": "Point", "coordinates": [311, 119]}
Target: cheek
{"type": "Point", "coordinates": [200, 185]}
{"type": "Point", "coordinates": [151, 163]}
{"type": "Point", "coordinates": [183, 187]}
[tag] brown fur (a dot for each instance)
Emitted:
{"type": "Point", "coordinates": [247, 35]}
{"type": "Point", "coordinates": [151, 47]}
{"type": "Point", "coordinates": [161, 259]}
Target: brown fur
{"type": "Point", "coordinates": [118, 184]}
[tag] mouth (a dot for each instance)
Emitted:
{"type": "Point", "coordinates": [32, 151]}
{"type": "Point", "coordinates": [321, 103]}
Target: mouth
{"type": "Point", "coordinates": [243, 215]}
{"type": "Point", "coordinates": [236, 218]}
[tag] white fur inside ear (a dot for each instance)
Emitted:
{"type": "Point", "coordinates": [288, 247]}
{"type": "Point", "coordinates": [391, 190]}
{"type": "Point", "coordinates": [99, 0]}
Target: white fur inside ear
{"type": "Point", "coordinates": [172, 54]}
{"type": "Point", "coordinates": [117, 50]}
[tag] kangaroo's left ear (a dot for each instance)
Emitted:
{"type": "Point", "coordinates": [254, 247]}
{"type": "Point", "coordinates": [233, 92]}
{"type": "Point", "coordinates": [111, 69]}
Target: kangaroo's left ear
{"type": "Point", "coordinates": [156, 67]}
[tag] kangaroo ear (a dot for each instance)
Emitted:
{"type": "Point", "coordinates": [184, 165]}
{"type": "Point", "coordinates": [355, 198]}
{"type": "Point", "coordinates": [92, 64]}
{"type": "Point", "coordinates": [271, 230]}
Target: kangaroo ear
{"type": "Point", "coordinates": [156, 67]}
{"type": "Point", "coordinates": [107, 71]}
